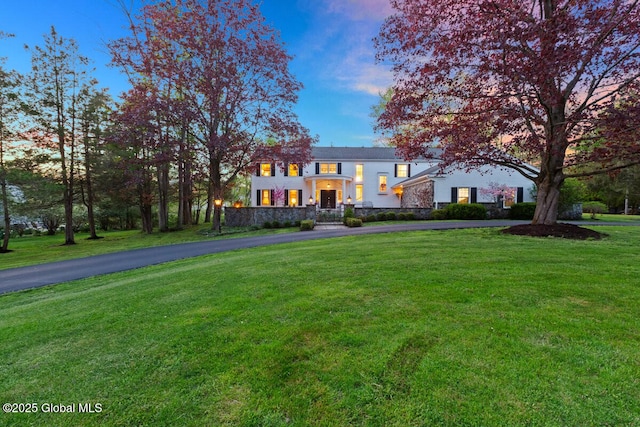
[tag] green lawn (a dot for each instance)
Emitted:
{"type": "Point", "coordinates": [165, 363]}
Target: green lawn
{"type": "Point", "coordinates": [612, 218]}
{"type": "Point", "coordinates": [460, 327]}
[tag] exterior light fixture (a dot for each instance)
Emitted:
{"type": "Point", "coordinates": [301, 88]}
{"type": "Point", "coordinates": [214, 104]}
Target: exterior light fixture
{"type": "Point", "coordinates": [310, 200]}
{"type": "Point", "coordinates": [349, 200]}
{"type": "Point", "coordinates": [217, 223]}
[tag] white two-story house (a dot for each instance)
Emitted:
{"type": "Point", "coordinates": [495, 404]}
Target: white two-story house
{"type": "Point", "coordinates": [376, 177]}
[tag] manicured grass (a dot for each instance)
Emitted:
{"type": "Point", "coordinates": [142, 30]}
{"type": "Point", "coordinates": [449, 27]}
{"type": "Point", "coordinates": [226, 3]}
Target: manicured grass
{"type": "Point", "coordinates": [461, 327]}
{"type": "Point", "coordinates": [612, 218]}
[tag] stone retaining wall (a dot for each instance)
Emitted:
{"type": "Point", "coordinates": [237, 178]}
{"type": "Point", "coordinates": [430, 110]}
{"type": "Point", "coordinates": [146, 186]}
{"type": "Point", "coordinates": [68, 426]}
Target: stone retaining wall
{"type": "Point", "coordinates": [245, 217]}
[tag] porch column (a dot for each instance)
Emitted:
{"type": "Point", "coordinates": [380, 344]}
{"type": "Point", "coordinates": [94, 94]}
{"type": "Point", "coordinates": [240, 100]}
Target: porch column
{"type": "Point", "coordinates": [313, 190]}
{"type": "Point", "coordinates": [344, 191]}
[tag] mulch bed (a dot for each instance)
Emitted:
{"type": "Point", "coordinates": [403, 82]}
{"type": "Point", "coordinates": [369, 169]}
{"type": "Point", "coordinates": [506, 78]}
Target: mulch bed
{"type": "Point", "coordinates": [565, 231]}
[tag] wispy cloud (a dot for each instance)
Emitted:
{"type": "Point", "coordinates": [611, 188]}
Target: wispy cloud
{"type": "Point", "coordinates": [348, 31]}
{"type": "Point", "coordinates": [360, 9]}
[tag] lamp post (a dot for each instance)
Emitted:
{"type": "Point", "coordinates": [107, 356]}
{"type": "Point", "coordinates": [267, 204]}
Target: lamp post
{"type": "Point", "coordinates": [217, 212]}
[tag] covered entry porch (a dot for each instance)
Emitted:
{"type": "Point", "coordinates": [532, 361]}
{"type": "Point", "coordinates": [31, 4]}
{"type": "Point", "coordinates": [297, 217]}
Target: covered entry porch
{"type": "Point", "coordinates": [329, 192]}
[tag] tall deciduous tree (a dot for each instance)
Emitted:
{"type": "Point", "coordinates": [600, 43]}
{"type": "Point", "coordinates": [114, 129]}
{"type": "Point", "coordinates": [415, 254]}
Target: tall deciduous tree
{"type": "Point", "coordinates": [223, 74]}
{"type": "Point", "coordinates": [58, 75]}
{"type": "Point", "coordinates": [508, 81]}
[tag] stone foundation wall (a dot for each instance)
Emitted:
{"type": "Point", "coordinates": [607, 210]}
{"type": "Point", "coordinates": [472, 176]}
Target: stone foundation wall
{"type": "Point", "coordinates": [245, 217]}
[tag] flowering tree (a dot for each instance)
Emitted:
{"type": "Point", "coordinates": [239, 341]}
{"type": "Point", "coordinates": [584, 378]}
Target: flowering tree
{"type": "Point", "coordinates": [278, 195]}
{"type": "Point", "coordinates": [498, 191]}
{"type": "Point", "coordinates": [221, 79]}
{"type": "Point", "coordinates": [515, 82]}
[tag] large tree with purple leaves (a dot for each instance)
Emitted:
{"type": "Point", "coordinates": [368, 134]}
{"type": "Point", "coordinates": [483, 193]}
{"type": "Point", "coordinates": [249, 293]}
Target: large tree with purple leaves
{"type": "Point", "coordinates": [515, 82]}
{"type": "Point", "coordinates": [220, 75]}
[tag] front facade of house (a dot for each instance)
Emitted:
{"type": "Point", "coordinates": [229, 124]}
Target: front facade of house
{"type": "Point", "coordinates": [375, 177]}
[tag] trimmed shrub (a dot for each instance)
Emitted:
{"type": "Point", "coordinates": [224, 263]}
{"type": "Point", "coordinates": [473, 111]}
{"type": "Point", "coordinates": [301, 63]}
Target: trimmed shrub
{"type": "Point", "coordinates": [402, 216]}
{"type": "Point", "coordinates": [410, 216]}
{"type": "Point", "coordinates": [594, 208]}
{"type": "Point", "coordinates": [354, 222]}
{"type": "Point", "coordinates": [286, 224]}
{"type": "Point", "coordinates": [348, 213]}
{"type": "Point", "coordinates": [276, 224]}
{"type": "Point", "coordinates": [391, 216]}
{"type": "Point", "coordinates": [466, 211]}
{"type": "Point", "coordinates": [306, 225]}
{"type": "Point", "coordinates": [522, 210]}
{"type": "Point", "coordinates": [362, 218]}
{"type": "Point", "coordinates": [267, 224]}
{"type": "Point", "coordinates": [382, 216]}
{"type": "Point", "coordinates": [439, 214]}
{"type": "Point", "coordinates": [372, 218]}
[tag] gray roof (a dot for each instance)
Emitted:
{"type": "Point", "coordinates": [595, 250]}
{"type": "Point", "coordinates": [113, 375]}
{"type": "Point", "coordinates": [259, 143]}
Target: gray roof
{"type": "Point", "coordinates": [355, 153]}
{"type": "Point", "coordinates": [429, 173]}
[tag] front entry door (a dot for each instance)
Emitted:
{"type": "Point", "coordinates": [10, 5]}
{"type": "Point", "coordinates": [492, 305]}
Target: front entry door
{"type": "Point", "coordinates": [328, 199]}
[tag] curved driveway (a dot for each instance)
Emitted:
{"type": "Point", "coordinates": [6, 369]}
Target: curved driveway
{"type": "Point", "coordinates": [22, 278]}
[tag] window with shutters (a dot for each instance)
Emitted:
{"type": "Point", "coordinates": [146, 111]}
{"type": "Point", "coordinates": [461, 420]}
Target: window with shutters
{"type": "Point", "coordinates": [265, 199]}
{"type": "Point", "coordinates": [293, 197]}
{"type": "Point", "coordinates": [328, 168]}
{"type": "Point", "coordinates": [294, 169]}
{"type": "Point", "coordinates": [266, 169]}
{"type": "Point", "coordinates": [463, 195]}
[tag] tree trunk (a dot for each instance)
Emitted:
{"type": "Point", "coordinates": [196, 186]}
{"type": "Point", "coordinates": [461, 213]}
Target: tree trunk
{"type": "Point", "coordinates": [5, 208]}
{"type": "Point", "coordinates": [90, 194]}
{"type": "Point", "coordinates": [146, 215]}
{"type": "Point", "coordinates": [163, 196]}
{"type": "Point", "coordinates": [90, 214]}
{"type": "Point", "coordinates": [548, 186]}
{"type": "Point", "coordinates": [547, 202]}
{"type": "Point", "coordinates": [145, 199]}
{"type": "Point", "coordinates": [187, 194]}
{"type": "Point", "coordinates": [207, 213]}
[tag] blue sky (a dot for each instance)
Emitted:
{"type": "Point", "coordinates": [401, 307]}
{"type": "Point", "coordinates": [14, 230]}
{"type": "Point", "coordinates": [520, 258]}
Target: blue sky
{"type": "Point", "coordinates": [330, 40]}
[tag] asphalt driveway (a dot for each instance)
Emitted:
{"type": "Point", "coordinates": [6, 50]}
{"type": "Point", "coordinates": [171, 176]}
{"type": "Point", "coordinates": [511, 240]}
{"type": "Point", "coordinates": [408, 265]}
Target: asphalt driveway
{"type": "Point", "coordinates": [17, 279]}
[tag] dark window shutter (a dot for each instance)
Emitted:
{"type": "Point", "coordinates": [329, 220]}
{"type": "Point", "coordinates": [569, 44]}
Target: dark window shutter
{"type": "Point", "coordinates": [299, 169]}
{"type": "Point", "coordinates": [395, 170]}
{"type": "Point", "coordinates": [339, 168]}
{"type": "Point", "coordinates": [286, 197]}
{"type": "Point", "coordinates": [286, 169]}
{"type": "Point", "coordinates": [474, 195]}
{"type": "Point", "coordinates": [257, 169]}
{"type": "Point", "coordinates": [299, 197]}
{"type": "Point", "coordinates": [259, 201]}
{"type": "Point", "coordinates": [273, 169]}
{"type": "Point", "coordinates": [273, 201]}
{"type": "Point", "coordinates": [454, 194]}
{"type": "Point", "coordinates": [317, 168]}
{"type": "Point", "coordinates": [520, 195]}
{"type": "Point", "coordinates": [409, 171]}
